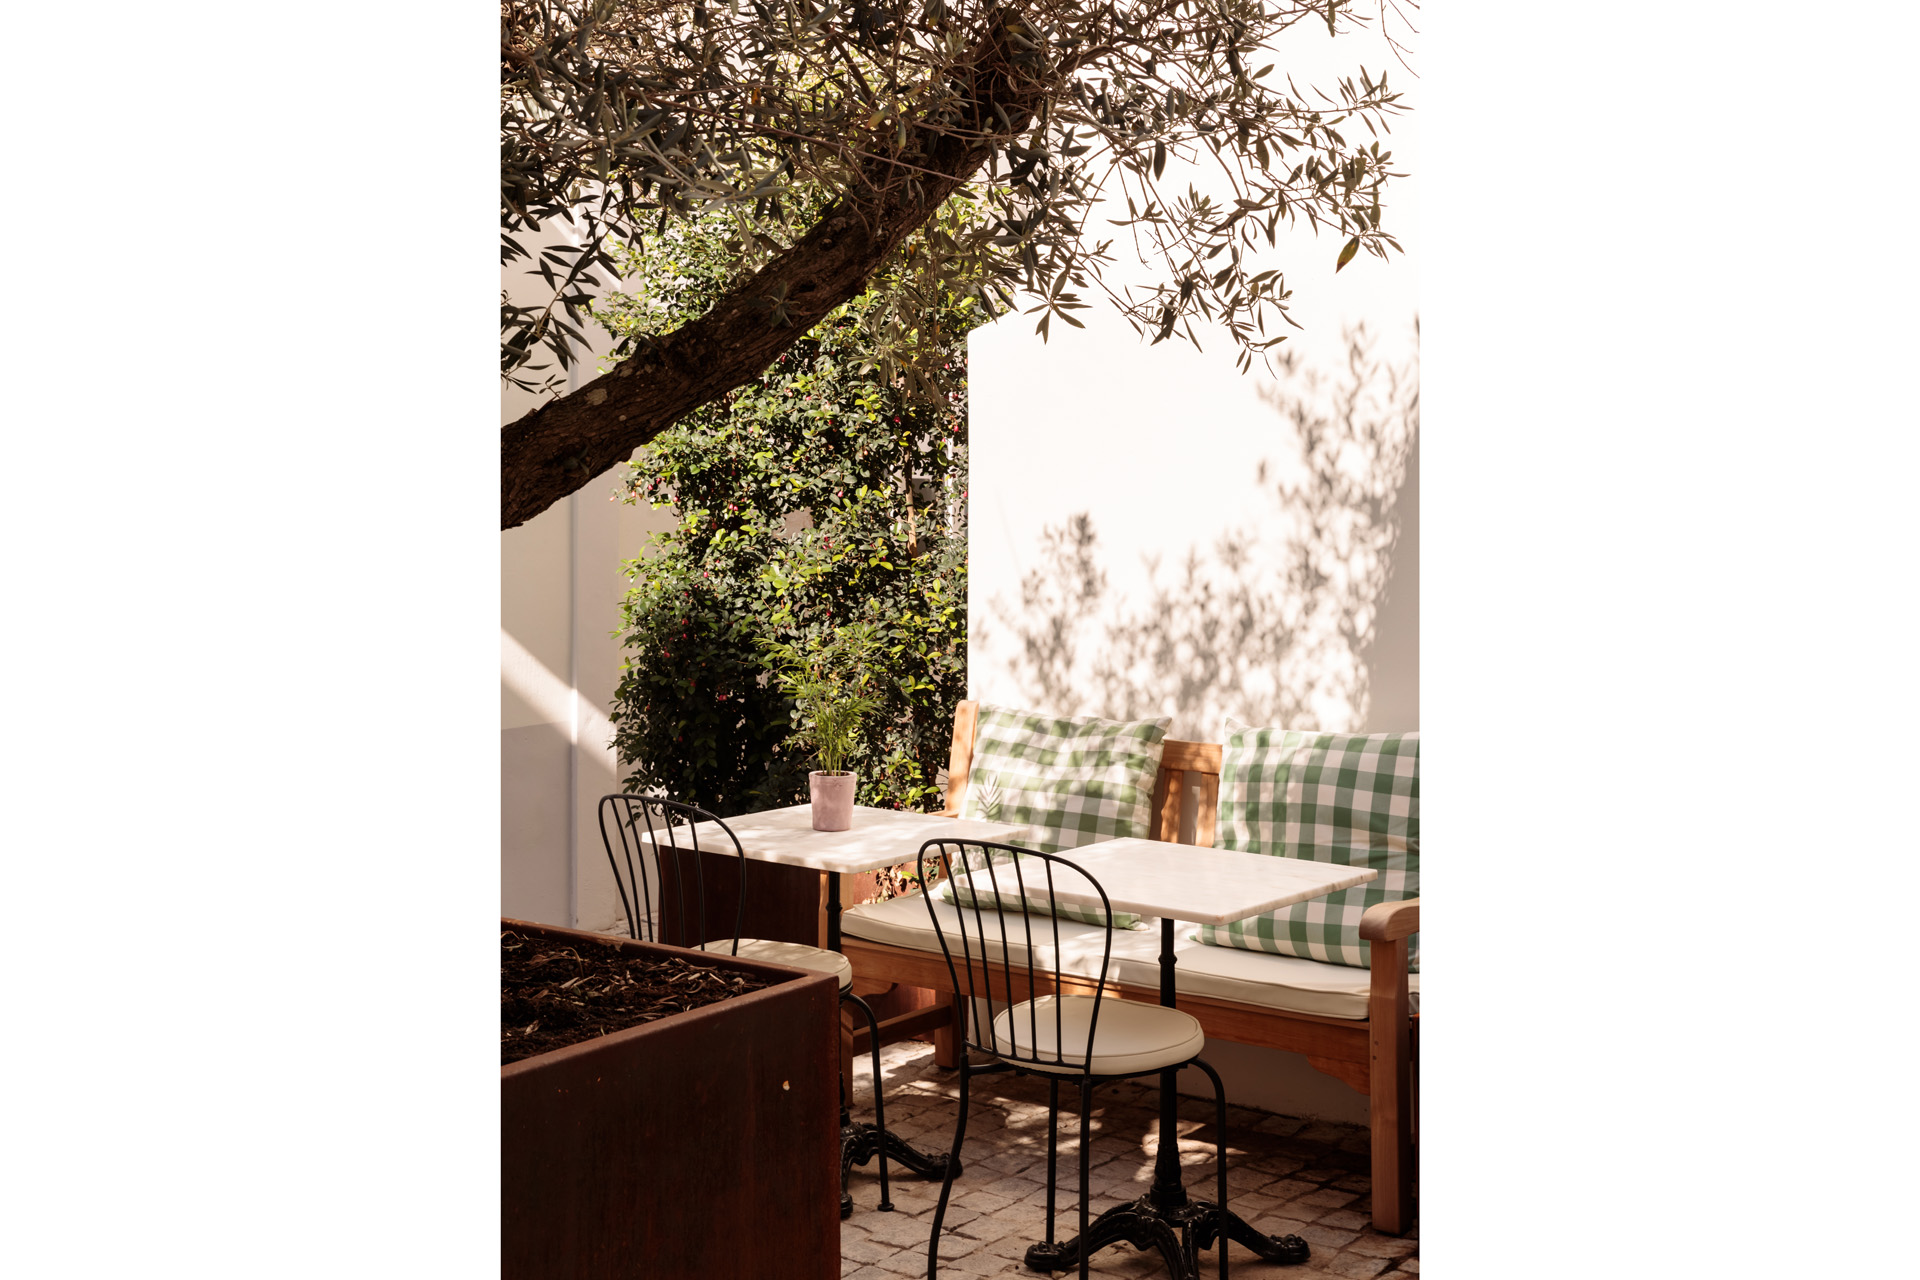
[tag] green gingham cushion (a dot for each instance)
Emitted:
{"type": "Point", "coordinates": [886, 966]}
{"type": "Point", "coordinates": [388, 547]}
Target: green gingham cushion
{"type": "Point", "coordinates": [1072, 781]}
{"type": "Point", "coordinates": [1346, 798]}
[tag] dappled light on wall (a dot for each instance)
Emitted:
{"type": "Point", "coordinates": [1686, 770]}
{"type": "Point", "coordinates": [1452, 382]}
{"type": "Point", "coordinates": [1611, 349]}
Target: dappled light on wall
{"type": "Point", "coordinates": [1273, 618]}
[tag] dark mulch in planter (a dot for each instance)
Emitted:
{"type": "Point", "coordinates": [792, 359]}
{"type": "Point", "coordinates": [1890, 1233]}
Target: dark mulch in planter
{"type": "Point", "coordinates": [554, 995]}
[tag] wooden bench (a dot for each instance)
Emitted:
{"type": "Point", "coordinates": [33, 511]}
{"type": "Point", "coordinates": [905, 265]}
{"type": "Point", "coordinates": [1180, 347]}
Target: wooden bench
{"type": "Point", "coordinates": [1374, 1054]}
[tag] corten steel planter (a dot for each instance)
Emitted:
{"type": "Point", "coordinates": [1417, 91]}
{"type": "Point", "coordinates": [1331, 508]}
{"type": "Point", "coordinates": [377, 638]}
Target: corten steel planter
{"type": "Point", "coordinates": [701, 1146]}
{"type": "Point", "coordinates": [784, 904]}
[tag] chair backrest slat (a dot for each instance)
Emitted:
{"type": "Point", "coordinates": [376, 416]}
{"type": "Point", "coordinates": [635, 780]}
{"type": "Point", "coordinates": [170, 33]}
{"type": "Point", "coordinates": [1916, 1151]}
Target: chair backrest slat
{"type": "Point", "coordinates": [666, 823]}
{"type": "Point", "coordinates": [994, 882]}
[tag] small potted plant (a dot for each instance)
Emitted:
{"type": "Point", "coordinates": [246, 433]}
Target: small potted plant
{"type": "Point", "coordinates": [827, 676]}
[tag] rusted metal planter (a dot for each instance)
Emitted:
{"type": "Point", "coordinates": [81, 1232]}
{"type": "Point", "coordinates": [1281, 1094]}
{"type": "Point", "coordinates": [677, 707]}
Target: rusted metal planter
{"type": "Point", "coordinates": [786, 904]}
{"type": "Point", "coordinates": [703, 1145]}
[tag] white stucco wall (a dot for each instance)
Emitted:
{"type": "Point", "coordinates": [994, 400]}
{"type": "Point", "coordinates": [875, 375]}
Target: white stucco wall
{"type": "Point", "coordinates": [561, 582]}
{"type": "Point", "coordinates": [1153, 533]}
{"type": "Point", "coordinates": [1151, 536]}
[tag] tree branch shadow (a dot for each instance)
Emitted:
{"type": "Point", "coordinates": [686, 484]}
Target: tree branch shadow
{"type": "Point", "coordinates": [1274, 622]}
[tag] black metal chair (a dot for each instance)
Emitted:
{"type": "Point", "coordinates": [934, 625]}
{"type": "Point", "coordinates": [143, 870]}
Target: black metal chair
{"type": "Point", "coordinates": [1000, 955]}
{"type": "Point", "coordinates": [671, 830]}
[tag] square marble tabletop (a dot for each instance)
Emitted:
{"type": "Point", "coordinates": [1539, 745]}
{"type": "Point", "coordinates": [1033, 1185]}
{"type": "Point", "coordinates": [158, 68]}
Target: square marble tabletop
{"type": "Point", "coordinates": [1205, 886]}
{"type": "Point", "coordinates": [878, 837]}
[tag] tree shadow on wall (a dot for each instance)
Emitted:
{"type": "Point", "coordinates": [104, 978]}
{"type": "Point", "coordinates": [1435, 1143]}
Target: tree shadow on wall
{"type": "Point", "coordinates": [1275, 621]}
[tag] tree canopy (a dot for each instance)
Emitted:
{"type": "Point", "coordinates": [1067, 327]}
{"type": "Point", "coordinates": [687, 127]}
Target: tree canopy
{"type": "Point", "coordinates": [833, 133]}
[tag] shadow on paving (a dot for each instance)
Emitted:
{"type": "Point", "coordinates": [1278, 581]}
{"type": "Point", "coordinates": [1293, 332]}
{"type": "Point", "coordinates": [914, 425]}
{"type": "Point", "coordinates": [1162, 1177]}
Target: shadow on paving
{"type": "Point", "coordinates": [1285, 1176]}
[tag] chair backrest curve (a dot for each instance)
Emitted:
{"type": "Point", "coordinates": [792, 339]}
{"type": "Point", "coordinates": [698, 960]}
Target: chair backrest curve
{"type": "Point", "coordinates": [1003, 947]}
{"type": "Point", "coordinates": [655, 848]}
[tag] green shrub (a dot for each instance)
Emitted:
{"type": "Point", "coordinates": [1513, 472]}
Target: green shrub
{"type": "Point", "coordinates": [821, 496]}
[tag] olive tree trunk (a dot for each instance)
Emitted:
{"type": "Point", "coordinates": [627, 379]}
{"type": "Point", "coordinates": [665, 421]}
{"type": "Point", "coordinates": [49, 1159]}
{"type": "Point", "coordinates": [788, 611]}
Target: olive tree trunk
{"type": "Point", "coordinates": [560, 446]}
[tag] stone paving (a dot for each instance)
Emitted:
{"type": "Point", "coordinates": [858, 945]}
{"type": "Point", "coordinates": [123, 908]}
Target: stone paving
{"type": "Point", "coordinates": [1285, 1176]}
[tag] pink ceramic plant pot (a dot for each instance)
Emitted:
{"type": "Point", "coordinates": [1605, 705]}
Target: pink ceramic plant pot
{"type": "Point", "coordinates": [832, 799]}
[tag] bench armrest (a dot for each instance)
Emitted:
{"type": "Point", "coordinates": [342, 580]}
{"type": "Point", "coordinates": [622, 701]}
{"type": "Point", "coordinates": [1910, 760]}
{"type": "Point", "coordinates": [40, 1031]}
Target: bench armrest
{"type": "Point", "coordinates": [1388, 921]}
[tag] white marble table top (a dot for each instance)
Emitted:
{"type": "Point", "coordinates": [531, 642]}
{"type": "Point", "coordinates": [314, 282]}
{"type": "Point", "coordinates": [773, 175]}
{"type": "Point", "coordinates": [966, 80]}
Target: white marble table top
{"type": "Point", "coordinates": [1205, 886]}
{"type": "Point", "coordinates": [878, 838]}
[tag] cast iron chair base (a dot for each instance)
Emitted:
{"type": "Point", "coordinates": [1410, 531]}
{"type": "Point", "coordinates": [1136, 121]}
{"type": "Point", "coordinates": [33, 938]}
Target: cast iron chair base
{"type": "Point", "coordinates": [860, 1142]}
{"type": "Point", "coordinates": [1179, 1234]}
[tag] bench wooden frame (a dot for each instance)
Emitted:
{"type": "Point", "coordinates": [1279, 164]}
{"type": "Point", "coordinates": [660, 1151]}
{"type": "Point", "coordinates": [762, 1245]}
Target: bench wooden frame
{"type": "Point", "coordinates": [1374, 1055]}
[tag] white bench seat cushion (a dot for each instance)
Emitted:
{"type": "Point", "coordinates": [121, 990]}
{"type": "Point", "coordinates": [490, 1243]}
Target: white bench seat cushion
{"type": "Point", "coordinates": [1287, 983]}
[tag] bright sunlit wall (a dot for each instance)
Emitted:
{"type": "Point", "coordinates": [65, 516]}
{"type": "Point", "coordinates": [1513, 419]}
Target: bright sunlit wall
{"type": "Point", "coordinates": [1153, 533]}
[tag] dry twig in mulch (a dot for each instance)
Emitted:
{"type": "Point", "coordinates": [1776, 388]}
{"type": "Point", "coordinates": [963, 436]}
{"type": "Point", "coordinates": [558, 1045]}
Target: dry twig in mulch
{"type": "Point", "coordinates": [553, 995]}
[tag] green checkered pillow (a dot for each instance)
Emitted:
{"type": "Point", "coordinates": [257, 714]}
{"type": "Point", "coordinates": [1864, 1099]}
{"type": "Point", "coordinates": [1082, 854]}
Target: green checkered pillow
{"type": "Point", "coordinates": [1345, 798]}
{"type": "Point", "coordinates": [1072, 781]}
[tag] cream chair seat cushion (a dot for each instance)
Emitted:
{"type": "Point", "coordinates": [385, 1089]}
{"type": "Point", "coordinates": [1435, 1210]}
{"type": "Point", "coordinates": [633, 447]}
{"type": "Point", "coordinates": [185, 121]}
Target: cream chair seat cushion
{"type": "Point", "coordinates": [1288, 983]}
{"type": "Point", "coordinates": [1127, 1036]}
{"type": "Point", "coordinates": [796, 954]}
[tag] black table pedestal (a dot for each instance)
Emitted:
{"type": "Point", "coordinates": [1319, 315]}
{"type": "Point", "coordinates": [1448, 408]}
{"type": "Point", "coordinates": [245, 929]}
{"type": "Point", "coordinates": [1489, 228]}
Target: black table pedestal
{"type": "Point", "coordinates": [1179, 1234]}
{"type": "Point", "coordinates": [860, 1142]}
{"type": "Point", "coordinates": [1165, 1218]}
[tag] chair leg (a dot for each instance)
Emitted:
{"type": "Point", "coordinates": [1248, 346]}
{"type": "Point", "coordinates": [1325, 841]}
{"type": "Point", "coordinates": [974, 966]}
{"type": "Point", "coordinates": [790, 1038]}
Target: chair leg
{"type": "Point", "coordinates": [1053, 1145]}
{"type": "Point", "coordinates": [879, 1102]}
{"type": "Point", "coordinates": [1219, 1150]}
{"type": "Point", "coordinates": [1086, 1152]}
{"type": "Point", "coordinates": [946, 1181]}
{"type": "Point", "coordinates": [846, 1052]}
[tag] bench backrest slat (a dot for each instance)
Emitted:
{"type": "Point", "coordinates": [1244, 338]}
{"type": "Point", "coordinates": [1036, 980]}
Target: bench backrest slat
{"type": "Point", "coordinates": [960, 759]}
{"type": "Point", "coordinates": [1186, 768]}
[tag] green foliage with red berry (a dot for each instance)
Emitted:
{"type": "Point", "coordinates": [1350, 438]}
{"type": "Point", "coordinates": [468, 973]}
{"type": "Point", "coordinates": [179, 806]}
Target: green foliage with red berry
{"type": "Point", "coordinates": [820, 496]}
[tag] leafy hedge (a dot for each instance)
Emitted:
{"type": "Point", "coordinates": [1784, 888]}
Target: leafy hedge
{"type": "Point", "coordinates": [819, 496]}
